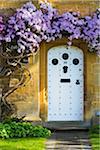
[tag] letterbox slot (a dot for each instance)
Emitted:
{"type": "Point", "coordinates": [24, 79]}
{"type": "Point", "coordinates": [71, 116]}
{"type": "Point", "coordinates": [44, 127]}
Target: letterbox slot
{"type": "Point", "coordinates": [65, 80]}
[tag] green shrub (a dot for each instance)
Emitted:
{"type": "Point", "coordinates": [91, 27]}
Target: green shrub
{"type": "Point", "coordinates": [13, 129]}
{"type": "Point", "coordinates": [95, 129]}
{"type": "Point", "coordinates": [13, 119]}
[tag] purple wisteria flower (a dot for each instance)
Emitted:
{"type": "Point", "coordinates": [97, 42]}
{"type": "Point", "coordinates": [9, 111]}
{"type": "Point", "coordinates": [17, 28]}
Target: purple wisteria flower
{"type": "Point", "coordinates": [91, 31]}
{"type": "Point", "coordinates": [2, 27]}
{"type": "Point", "coordinates": [24, 27]}
{"type": "Point", "coordinates": [49, 18]}
{"type": "Point", "coordinates": [29, 26]}
{"type": "Point", "coordinates": [70, 25]}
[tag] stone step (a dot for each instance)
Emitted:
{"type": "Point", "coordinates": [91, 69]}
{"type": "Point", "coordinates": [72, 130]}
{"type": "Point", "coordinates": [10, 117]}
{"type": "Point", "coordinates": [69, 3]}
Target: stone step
{"type": "Point", "coordinates": [63, 125]}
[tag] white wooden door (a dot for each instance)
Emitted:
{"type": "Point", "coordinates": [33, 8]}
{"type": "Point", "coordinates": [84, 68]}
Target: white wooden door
{"type": "Point", "coordinates": [65, 84]}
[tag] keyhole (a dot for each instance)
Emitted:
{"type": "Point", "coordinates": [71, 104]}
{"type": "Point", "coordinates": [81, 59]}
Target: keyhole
{"type": "Point", "coordinates": [65, 68]}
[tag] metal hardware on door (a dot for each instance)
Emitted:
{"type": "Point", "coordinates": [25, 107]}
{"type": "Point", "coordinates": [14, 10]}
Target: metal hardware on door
{"type": "Point", "coordinates": [65, 68]}
{"type": "Point", "coordinates": [75, 61]}
{"type": "Point", "coordinates": [77, 82]}
{"type": "Point", "coordinates": [65, 56]}
{"type": "Point", "coordinates": [64, 80]}
{"type": "Point", "coordinates": [55, 61]}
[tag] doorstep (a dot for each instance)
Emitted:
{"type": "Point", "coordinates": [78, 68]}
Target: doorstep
{"type": "Point", "coordinates": [67, 125]}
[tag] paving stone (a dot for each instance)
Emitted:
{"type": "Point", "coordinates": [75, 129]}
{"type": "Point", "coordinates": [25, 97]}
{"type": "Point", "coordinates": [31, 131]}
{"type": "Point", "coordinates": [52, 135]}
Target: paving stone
{"type": "Point", "coordinates": [68, 140]}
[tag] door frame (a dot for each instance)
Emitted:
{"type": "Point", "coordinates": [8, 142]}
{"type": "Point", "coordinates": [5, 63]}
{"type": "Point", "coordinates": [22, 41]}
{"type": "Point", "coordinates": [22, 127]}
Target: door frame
{"type": "Point", "coordinates": [43, 95]}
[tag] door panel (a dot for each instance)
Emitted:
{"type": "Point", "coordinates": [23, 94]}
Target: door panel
{"type": "Point", "coordinates": [65, 84]}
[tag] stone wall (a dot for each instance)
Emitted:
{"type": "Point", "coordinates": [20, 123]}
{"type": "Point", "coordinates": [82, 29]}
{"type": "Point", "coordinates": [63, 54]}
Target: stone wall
{"type": "Point", "coordinates": [26, 97]}
{"type": "Point", "coordinates": [5, 4]}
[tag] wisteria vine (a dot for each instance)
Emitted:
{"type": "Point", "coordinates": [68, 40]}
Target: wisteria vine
{"type": "Point", "coordinates": [29, 26]}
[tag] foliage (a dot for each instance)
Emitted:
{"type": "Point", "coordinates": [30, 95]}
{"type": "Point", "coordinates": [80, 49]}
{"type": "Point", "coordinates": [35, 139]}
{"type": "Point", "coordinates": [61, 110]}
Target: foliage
{"type": "Point", "coordinates": [94, 134]}
{"type": "Point", "coordinates": [13, 119]}
{"type": "Point", "coordinates": [91, 31]}
{"type": "Point", "coordinates": [14, 129]}
{"type": "Point", "coordinates": [29, 26]}
{"type": "Point", "coordinates": [95, 129]}
{"type": "Point", "coordinates": [22, 144]}
{"type": "Point", "coordinates": [2, 26]}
